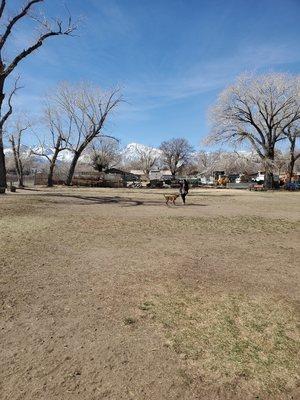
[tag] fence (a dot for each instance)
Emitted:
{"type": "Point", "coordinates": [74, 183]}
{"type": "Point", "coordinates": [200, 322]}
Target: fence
{"type": "Point", "coordinates": [87, 179]}
{"type": "Point", "coordinates": [41, 179]}
{"type": "Point", "coordinates": [98, 180]}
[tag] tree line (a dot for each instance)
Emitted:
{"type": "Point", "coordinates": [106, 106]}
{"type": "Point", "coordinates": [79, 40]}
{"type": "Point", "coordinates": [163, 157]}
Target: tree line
{"type": "Point", "coordinates": [105, 153]}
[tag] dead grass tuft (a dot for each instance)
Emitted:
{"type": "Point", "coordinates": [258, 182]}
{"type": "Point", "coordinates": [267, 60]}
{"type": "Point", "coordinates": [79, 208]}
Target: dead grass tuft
{"type": "Point", "coordinates": [129, 321]}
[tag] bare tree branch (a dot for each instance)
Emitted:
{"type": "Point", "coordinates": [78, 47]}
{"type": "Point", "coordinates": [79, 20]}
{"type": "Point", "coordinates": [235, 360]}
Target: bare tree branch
{"type": "Point", "coordinates": [38, 44]}
{"type": "Point", "coordinates": [15, 19]}
{"type": "Point", "coordinates": [5, 117]}
{"type": "Point", "coordinates": [2, 7]}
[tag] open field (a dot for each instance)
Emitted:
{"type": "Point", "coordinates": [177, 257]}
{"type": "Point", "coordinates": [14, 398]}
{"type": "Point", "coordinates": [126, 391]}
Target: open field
{"type": "Point", "coordinates": [110, 294]}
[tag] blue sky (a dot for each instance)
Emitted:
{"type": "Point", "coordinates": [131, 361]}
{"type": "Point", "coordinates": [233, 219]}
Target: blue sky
{"type": "Point", "coordinates": [170, 57]}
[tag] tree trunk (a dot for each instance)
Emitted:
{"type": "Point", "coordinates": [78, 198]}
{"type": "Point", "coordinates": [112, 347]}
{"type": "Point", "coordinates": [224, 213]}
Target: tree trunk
{"type": "Point", "coordinates": [3, 183]}
{"type": "Point", "coordinates": [51, 168]}
{"type": "Point", "coordinates": [72, 168]}
{"type": "Point", "coordinates": [269, 176]}
{"type": "Point", "coordinates": [2, 167]}
{"type": "Point", "coordinates": [21, 175]}
{"type": "Point", "coordinates": [269, 180]}
{"type": "Point", "coordinates": [21, 182]}
{"type": "Point", "coordinates": [292, 160]}
{"type": "Point", "coordinates": [147, 173]}
{"type": "Point", "coordinates": [291, 169]}
{"type": "Point", "coordinates": [18, 162]}
{"type": "Point", "coordinates": [50, 175]}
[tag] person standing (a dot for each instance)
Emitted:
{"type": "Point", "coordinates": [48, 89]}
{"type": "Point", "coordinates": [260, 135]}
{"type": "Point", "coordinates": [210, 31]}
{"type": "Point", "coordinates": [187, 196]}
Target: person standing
{"type": "Point", "coordinates": [184, 189]}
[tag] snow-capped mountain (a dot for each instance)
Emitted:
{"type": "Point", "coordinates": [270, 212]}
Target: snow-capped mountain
{"type": "Point", "coordinates": [36, 153]}
{"type": "Point", "coordinates": [63, 156]}
{"type": "Point", "coordinates": [129, 153]}
{"type": "Point", "coordinates": [24, 149]}
{"type": "Point", "coordinates": [132, 151]}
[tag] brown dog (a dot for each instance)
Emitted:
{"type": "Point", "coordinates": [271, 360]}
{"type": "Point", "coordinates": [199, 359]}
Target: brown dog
{"type": "Point", "coordinates": [171, 197]}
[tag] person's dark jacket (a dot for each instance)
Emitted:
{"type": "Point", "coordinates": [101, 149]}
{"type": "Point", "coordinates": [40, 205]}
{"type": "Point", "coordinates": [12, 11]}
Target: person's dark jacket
{"type": "Point", "coordinates": [184, 187]}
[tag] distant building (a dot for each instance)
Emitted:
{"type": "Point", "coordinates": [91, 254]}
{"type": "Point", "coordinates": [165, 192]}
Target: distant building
{"type": "Point", "coordinates": [137, 172]}
{"type": "Point", "coordinates": [160, 174]}
{"type": "Point", "coordinates": [127, 176]}
{"type": "Point", "coordinates": [155, 174]}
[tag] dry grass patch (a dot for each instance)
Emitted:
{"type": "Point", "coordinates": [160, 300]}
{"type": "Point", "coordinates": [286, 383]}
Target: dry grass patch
{"type": "Point", "coordinates": [234, 225]}
{"type": "Point", "coordinates": [245, 224]}
{"type": "Point", "coordinates": [232, 342]}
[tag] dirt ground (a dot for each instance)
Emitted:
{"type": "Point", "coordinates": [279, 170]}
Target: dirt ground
{"type": "Point", "coordinates": [110, 294]}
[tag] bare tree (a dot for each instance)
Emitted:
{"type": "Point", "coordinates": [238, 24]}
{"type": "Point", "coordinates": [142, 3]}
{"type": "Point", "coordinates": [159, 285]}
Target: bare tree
{"type": "Point", "coordinates": [146, 159]}
{"type": "Point", "coordinates": [293, 134]}
{"type": "Point", "coordinates": [8, 66]}
{"type": "Point", "coordinates": [247, 163]}
{"type": "Point", "coordinates": [208, 162]}
{"type": "Point", "coordinates": [88, 108]}
{"type": "Point", "coordinates": [105, 153]}
{"type": "Point", "coordinates": [190, 169]}
{"type": "Point", "coordinates": [3, 119]}
{"type": "Point", "coordinates": [176, 153]}
{"type": "Point", "coordinates": [281, 162]}
{"type": "Point", "coordinates": [235, 162]}
{"type": "Point", "coordinates": [60, 131]}
{"type": "Point", "coordinates": [16, 145]}
{"type": "Point", "coordinates": [257, 110]}
{"type": "Point", "coordinates": [244, 163]}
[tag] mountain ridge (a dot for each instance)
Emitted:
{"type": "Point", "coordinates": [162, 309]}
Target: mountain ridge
{"type": "Point", "coordinates": [129, 153]}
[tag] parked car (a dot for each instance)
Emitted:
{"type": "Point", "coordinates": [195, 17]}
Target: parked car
{"type": "Point", "coordinates": [292, 186]}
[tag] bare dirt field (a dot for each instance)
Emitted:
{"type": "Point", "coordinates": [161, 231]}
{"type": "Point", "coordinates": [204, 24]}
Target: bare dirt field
{"type": "Point", "coordinates": [110, 294]}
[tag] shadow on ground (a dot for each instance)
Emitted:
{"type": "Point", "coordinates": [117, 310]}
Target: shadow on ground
{"type": "Point", "coordinates": [123, 201]}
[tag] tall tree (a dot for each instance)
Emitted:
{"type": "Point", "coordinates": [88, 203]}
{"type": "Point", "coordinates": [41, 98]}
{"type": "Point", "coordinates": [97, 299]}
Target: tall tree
{"type": "Point", "coordinates": [293, 134]}
{"type": "Point", "coordinates": [208, 162]}
{"type": "Point", "coordinates": [146, 159]}
{"type": "Point", "coordinates": [176, 153]}
{"type": "Point", "coordinates": [18, 154]}
{"type": "Point", "coordinates": [105, 153]}
{"type": "Point", "coordinates": [89, 109]}
{"type": "Point", "coordinates": [7, 67]}
{"type": "Point", "coordinates": [257, 110]}
{"type": "Point", "coordinates": [60, 131]}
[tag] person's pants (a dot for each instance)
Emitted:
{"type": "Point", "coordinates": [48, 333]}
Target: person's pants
{"type": "Point", "coordinates": [183, 196]}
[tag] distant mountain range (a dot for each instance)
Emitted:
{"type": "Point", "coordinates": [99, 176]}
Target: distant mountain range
{"type": "Point", "coordinates": [129, 153]}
